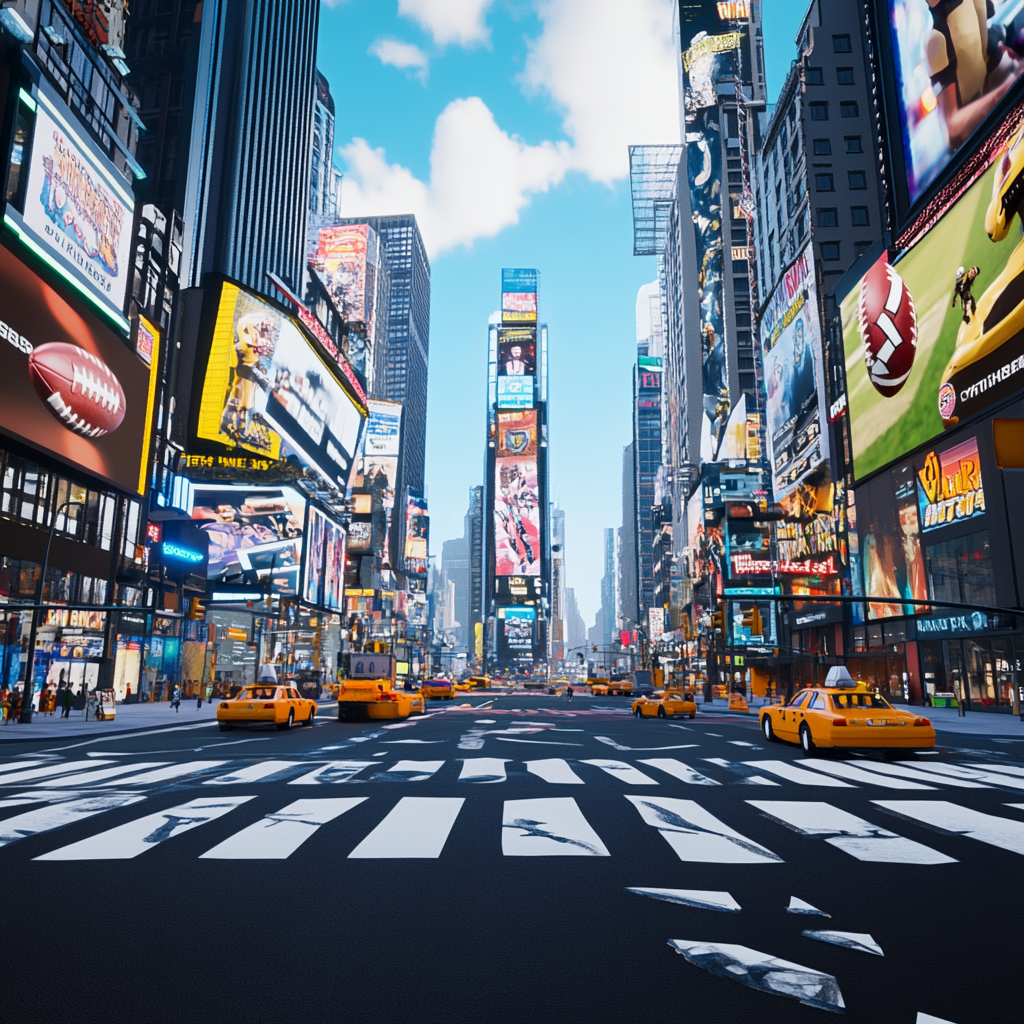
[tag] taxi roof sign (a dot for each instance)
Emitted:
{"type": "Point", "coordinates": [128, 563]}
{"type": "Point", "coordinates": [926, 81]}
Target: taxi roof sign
{"type": "Point", "coordinates": [839, 676]}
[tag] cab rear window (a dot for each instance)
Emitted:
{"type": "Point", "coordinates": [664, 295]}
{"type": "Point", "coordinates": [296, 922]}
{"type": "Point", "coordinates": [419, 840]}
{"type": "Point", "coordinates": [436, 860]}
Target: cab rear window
{"type": "Point", "coordinates": [845, 701]}
{"type": "Point", "coordinates": [258, 693]}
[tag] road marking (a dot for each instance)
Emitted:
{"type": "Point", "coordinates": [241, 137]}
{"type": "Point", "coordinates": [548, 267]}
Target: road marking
{"type": "Point", "coordinates": [626, 772]}
{"type": "Point", "coordinates": [918, 775]}
{"type": "Point", "coordinates": [483, 769]}
{"type": "Point", "coordinates": [54, 769]}
{"type": "Point", "coordinates": [280, 834]}
{"type": "Point", "coordinates": [993, 778]}
{"type": "Point", "coordinates": [416, 827]}
{"type": "Point", "coordinates": [847, 832]}
{"type": "Point", "coordinates": [15, 765]}
{"type": "Point", "coordinates": [855, 774]}
{"type": "Point", "coordinates": [334, 772]}
{"type": "Point", "coordinates": [1006, 833]}
{"type": "Point", "coordinates": [175, 771]}
{"type": "Point", "coordinates": [749, 776]}
{"type": "Point", "coordinates": [860, 941]}
{"type": "Point", "coordinates": [540, 743]}
{"type": "Point", "coordinates": [554, 770]}
{"type": "Point", "coordinates": [548, 827]}
{"type": "Point", "coordinates": [1019, 807]}
{"type": "Point", "coordinates": [679, 770]}
{"type": "Point", "coordinates": [618, 746]}
{"type": "Point", "coordinates": [392, 743]}
{"type": "Point", "coordinates": [790, 772]}
{"type": "Point", "coordinates": [697, 835]}
{"type": "Point", "coordinates": [1003, 769]}
{"type": "Point", "coordinates": [253, 773]}
{"type": "Point", "coordinates": [927, 1018]}
{"type": "Point", "coordinates": [704, 899]}
{"type": "Point", "coordinates": [798, 906]}
{"type": "Point", "coordinates": [136, 837]}
{"type": "Point", "coordinates": [117, 737]}
{"type": "Point", "coordinates": [43, 819]}
{"type": "Point", "coordinates": [744, 743]}
{"type": "Point", "coordinates": [86, 778]}
{"type": "Point", "coordinates": [408, 771]}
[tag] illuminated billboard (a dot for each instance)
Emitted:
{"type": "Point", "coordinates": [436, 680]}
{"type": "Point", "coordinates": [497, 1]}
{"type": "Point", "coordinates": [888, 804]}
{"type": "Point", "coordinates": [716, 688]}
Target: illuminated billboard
{"type": "Point", "coordinates": [334, 568]}
{"type": "Point", "coordinates": [949, 486]}
{"type": "Point", "coordinates": [75, 210]}
{"type": "Point", "coordinates": [323, 567]}
{"type": "Point", "coordinates": [69, 385]}
{"type": "Point", "coordinates": [267, 390]}
{"type": "Point", "coordinates": [517, 352]}
{"type": "Point", "coordinates": [794, 378]}
{"type": "Point", "coordinates": [346, 261]}
{"type": "Point", "coordinates": [516, 517]}
{"type": "Point", "coordinates": [517, 434]}
{"type": "Point", "coordinates": [519, 296]}
{"type": "Point", "coordinates": [515, 630]}
{"type": "Point", "coordinates": [417, 533]}
{"type": "Point", "coordinates": [939, 337]}
{"type": "Point", "coordinates": [515, 392]}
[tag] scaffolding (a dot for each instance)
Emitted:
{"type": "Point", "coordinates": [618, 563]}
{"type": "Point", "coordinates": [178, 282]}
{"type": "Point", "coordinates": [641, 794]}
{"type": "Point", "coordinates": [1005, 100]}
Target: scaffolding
{"type": "Point", "coordinates": [653, 171]}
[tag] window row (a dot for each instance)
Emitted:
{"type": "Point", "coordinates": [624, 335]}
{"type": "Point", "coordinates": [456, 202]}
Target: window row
{"type": "Point", "coordinates": [831, 252]}
{"type": "Point", "coordinates": [824, 181]}
{"type": "Point", "coordinates": [819, 109]}
{"type": "Point", "coordinates": [816, 76]}
{"type": "Point", "coordinates": [853, 144]}
{"type": "Point", "coordinates": [828, 217]}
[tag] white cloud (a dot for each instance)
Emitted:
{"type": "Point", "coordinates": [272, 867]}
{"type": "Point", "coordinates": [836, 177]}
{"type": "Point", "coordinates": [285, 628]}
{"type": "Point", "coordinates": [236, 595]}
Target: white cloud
{"type": "Point", "coordinates": [401, 55]}
{"type": "Point", "coordinates": [449, 21]}
{"type": "Point", "coordinates": [610, 65]}
{"type": "Point", "coordinates": [480, 178]}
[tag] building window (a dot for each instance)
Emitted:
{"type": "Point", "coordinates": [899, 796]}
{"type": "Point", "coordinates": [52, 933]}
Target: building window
{"type": "Point", "coordinates": [859, 216]}
{"type": "Point", "coordinates": [814, 76]}
{"type": "Point", "coordinates": [824, 183]}
{"type": "Point", "coordinates": [853, 144]}
{"type": "Point", "coordinates": [828, 218]}
{"type": "Point", "coordinates": [844, 76]}
{"type": "Point", "coordinates": [735, 177]}
{"type": "Point", "coordinates": [858, 180]}
{"type": "Point", "coordinates": [961, 570]}
{"type": "Point", "coordinates": [819, 111]}
{"type": "Point", "coordinates": [830, 251]}
{"type": "Point", "coordinates": [822, 147]}
{"type": "Point", "coordinates": [841, 44]}
{"type": "Point", "coordinates": [848, 108]}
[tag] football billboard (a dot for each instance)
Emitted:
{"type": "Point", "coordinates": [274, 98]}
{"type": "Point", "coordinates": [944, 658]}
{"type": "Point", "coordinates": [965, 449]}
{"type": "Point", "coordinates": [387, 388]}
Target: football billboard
{"type": "Point", "coordinates": [938, 338]}
{"type": "Point", "coordinates": [519, 296]}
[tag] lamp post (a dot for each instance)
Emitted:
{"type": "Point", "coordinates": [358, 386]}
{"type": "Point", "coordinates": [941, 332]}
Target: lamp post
{"type": "Point", "coordinates": [28, 691]}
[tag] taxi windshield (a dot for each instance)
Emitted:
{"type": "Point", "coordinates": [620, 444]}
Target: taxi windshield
{"type": "Point", "coordinates": [258, 693]}
{"type": "Point", "coordinates": [844, 701]}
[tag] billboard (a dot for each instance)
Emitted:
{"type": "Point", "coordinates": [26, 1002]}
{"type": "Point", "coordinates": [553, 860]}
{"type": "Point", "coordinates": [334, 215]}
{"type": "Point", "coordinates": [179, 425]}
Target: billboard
{"type": "Point", "coordinates": [949, 486]}
{"type": "Point", "coordinates": [794, 378]}
{"type": "Point", "coordinates": [417, 533]}
{"type": "Point", "coordinates": [323, 566]}
{"type": "Point", "coordinates": [516, 517]}
{"type": "Point", "coordinates": [69, 386]}
{"type": "Point", "coordinates": [346, 260]}
{"type": "Point", "coordinates": [517, 434]}
{"type": "Point", "coordinates": [515, 392]}
{"type": "Point", "coordinates": [519, 296]}
{"type": "Point", "coordinates": [954, 65]}
{"type": "Point", "coordinates": [334, 567]}
{"type": "Point", "coordinates": [517, 352]}
{"type": "Point", "coordinates": [939, 337]}
{"type": "Point", "coordinates": [76, 211]}
{"type": "Point", "coordinates": [267, 390]}
{"type": "Point", "coordinates": [515, 630]}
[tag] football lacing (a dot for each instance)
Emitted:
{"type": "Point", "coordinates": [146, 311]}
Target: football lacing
{"type": "Point", "coordinates": [95, 389]}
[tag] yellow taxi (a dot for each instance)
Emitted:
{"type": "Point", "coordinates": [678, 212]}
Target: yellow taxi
{"type": "Point", "coordinates": [376, 698]}
{"type": "Point", "coordinates": [844, 713]}
{"type": "Point", "coordinates": [437, 689]}
{"type": "Point", "coordinates": [479, 682]}
{"type": "Point", "coordinates": [665, 704]}
{"type": "Point", "coordinates": [266, 704]}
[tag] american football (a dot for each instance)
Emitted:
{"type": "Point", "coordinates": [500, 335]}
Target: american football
{"type": "Point", "coordinates": [78, 389]}
{"type": "Point", "coordinates": [888, 328]}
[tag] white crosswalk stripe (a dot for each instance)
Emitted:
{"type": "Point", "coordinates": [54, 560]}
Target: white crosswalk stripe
{"type": "Point", "coordinates": [280, 834]}
{"type": "Point", "coordinates": [483, 769]}
{"type": "Point", "coordinates": [1006, 833]}
{"type": "Point", "coordinates": [847, 832]}
{"type": "Point", "coordinates": [417, 827]}
{"type": "Point", "coordinates": [174, 771]}
{"type": "Point", "coordinates": [857, 774]}
{"type": "Point", "coordinates": [50, 770]}
{"type": "Point", "coordinates": [917, 775]}
{"type": "Point", "coordinates": [88, 778]}
{"type": "Point", "coordinates": [1005, 769]}
{"type": "Point", "coordinates": [136, 837]}
{"type": "Point", "coordinates": [56, 815]}
{"type": "Point", "coordinates": [679, 770]}
{"type": "Point", "coordinates": [749, 775]}
{"type": "Point", "coordinates": [620, 770]}
{"type": "Point", "coordinates": [408, 771]}
{"type": "Point", "coordinates": [990, 778]}
{"type": "Point", "coordinates": [791, 773]}
{"type": "Point", "coordinates": [13, 766]}
{"type": "Point", "coordinates": [332, 772]}
{"type": "Point", "coordinates": [254, 773]}
{"type": "Point", "coordinates": [548, 827]}
{"type": "Point", "coordinates": [555, 770]}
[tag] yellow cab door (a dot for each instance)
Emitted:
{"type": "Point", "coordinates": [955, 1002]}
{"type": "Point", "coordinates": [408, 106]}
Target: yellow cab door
{"type": "Point", "coordinates": [789, 716]}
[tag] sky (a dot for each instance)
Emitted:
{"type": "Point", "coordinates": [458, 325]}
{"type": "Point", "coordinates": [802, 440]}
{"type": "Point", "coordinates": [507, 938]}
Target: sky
{"type": "Point", "coordinates": [504, 126]}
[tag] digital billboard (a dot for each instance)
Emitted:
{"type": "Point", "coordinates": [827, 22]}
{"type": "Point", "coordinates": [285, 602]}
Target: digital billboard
{"type": "Point", "coordinates": [794, 378]}
{"type": "Point", "coordinates": [516, 517]}
{"type": "Point", "coordinates": [515, 630]}
{"type": "Point", "coordinates": [515, 392]}
{"type": "Point", "coordinates": [268, 391]}
{"type": "Point", "coordinates": [939, 337]}
{"type": "Point", "coordinates": [517, 352]}
{"type": "Point", "coordinates": [517, 434]}
{"type": "Point", "coordinates": [69, 385]}
{"type": "Point", "coordinates": [954, 63]}
{"type": "Point", "coordinates": [417, 533]}
{"type": "Point", "coordinates": [949, 486]}
{"type": "Point", "coordinates": [377, 470]}
{"type": "Point", "coordinates": [334, 568]}
{"type": "Point", "coordinates": [519, 296]}
{"type": "Point", "coordinates": [76, 209]}
{"type": "Point", "coordinates": [313, 556]}
{"type": "Point", "coordinates": [346, 260]}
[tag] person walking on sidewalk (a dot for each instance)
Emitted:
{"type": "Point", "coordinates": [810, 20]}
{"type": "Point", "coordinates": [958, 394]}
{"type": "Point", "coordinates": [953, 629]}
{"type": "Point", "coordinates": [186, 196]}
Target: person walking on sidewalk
{"type": "Point", "coordinates": [569, 691]}
{"type": "Point", "coordinates": [176, 699]}
{"type": "Point", "coordinates": [199, 695]}
{"type": "Point", "coordinates": [69, 700]}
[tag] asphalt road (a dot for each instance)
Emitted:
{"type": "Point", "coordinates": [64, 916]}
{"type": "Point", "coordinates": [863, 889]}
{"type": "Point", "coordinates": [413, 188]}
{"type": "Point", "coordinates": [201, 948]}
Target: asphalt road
{"type": "Point", "coordinates": [480, 864]}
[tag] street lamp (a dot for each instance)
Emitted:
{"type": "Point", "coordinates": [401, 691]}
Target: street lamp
{"type": "Point", "coordinates": [28, 691]}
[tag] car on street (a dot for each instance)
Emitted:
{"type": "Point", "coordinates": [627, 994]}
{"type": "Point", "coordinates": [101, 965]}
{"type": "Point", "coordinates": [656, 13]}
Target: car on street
{"type": "Point", "coordinates": [266, 704]}
{"type": "Point", "coordinates": [437, 689]}
{"type": "Point", "coordinates": [360, 699]}
{"type": "Point", "coordinates": [664, 704]}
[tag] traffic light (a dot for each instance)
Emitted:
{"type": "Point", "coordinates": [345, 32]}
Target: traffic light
{"type": "Point", "coordinates": [752, 621]}
{"type": "Point", "coordinates": [718, 622]}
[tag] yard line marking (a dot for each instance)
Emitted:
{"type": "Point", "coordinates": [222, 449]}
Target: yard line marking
{"type": "Point", "coordinates": [704, 899]}
{"type": "Point", "coordinates": [15, 765]}
{"type": "Point", "coordinates": [952, 819]}
{"type": "Point", "coordinates": [333, 772]}
{"type": "Point", "coordinates": [54, 769]}
{"type": "Point", "coordinates": [136, 837]}
{"type": "Point", "coordinates": [750, 777]}
{"type": "Point", "coordinates": [917, 775]}
{"type": "Point", "coordinates": [554, 770]}
{"type": "Point", "coordinates": [548, 827]}
{"type": "Point", "coordinates": [175, 771]}
{"type": "Point", "coordinates": [55, 815]}
{"type": "Point", "coordinates": [279, 835]}
{"type": "Point", "coordinates": [408, 771]}
{"type": "Point", "coordinates": [856, 774]}
{"type": "Point", "coordinates": [626, 772]}
{"type": "Point", "coordinates": [253, 773]}
{"type": "Point", "coordinates": [680, 771]}
{"type": "Point", "coordinates": [86, 778]}
{"type": "Point", "coordinates": [483, 769]}
{"type": "Point", "coordinates": [697, 835]}
{"type": "Point", "coordinates": [416, 827]}
{"type": "Point", "coordinates": [790, 772]}
{"type": "Point", "coordinates": [1003, 769]}
{"type": "Point", "coordinates": [847, 832]}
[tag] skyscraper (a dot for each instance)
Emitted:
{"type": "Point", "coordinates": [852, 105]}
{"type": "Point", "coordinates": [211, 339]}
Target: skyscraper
{"type": "Point", "coordinates": [557, 583]}
{"type": "Point", "coordinates": [629, 601]}
{"type": "Point", "coordinates": [609, 613]}
{"type": "Point", "coordinates": [323, 178]}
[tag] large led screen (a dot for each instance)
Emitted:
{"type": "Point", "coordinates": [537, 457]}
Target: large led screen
{"type": "Point", "coordinates": [323, 567]}
{"type": "Point", "coordinates": [68, 385]}
{"type": "Point", "coordinates": [794, 378]}
{"type": "Point", "coordinates": [519, 296]}
{"type": "Point", "coordinates": [515, 630]}
{"type": "Point", "coordinates": [334, 568]}
{"type": "Point", "coordinates": [517, 352]}
{"type": "Point", "coordinates": [515, 392]}
{"type": "Point", "coordinates": [417, 533]}
{"type": "Point", "coordinates": [954, 64]}
{"type": "Point", "coordinates": [346, 261]}
{"type": "Point", "coordinates": [939, 337]}
{"type": "Point", "coordinates": [267, 390]}
{"type": "Point", "coordinates": [516, 496]}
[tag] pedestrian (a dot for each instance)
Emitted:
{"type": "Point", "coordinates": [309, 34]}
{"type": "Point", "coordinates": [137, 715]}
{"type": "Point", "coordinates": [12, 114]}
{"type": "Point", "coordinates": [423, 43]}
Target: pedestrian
{"type": "Point", "coordinates": [199, 695]}
{"type": "Point", "coordinates": [68, 700]}
{"type": "Point", "coordinates": [209, 693]}
{"type": "Point", "coordinates": [176, 699]}
{"type": "Point", "coordinates": [13, 707]}
{"type": "Point", "coordinates": [569, 691]}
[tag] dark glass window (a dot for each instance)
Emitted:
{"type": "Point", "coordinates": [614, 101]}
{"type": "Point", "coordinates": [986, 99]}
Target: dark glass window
{"type": "Point", "coordinates": [17, 172]}
{"type": "Point", "coordinates": [822, 147]}
{"type": "Point", "coordinates": [830, 251]}
{"type": "Point", "coordinates": [858, 180]}
{"type": "Point", "coordinates": [828, 218]}
{"type": "Point", "coordinates": [861, 247]}
{"type": "Point", "coordinates": [814, 76]}
{"type": "Point", "coordinates": [819, 111]}
{"type": "Point", "coordinates": [848, 108]}
{"type": "Point", "coordinates": [853, 144]}
{"type": "Point", "coordinates": [844, 76]}
{"type": "Point", "coordinates": [961, 570]}
{"type": "Point", "coordinates": [824, 183]}
{"type": "Point", "coordinates": [859, 216]}
{"type": "Point", "coordinates": [841, 44]}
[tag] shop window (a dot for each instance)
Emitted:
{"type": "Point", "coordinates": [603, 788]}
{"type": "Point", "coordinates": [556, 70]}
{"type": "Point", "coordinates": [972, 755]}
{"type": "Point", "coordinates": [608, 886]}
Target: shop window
{"type": "Point", "coordinates": [960, 570]}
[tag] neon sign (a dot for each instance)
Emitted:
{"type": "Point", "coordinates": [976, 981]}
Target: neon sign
{"type": "Point", "coordinates": [744, 565]}
{"type": "Point", "coordinates": [182, 554]}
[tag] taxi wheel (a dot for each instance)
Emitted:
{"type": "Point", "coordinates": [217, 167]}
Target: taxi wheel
{"type": "Point", "coordinates": [769, 732]}
{"type": "Point", "coordinates": [287, 725]}
{"type": "Point", "coordinates": [661, 712]}
{"type": "Point", "coordinates": [806, 742]}
{"type": "Point", "coordinates": [309, 721]}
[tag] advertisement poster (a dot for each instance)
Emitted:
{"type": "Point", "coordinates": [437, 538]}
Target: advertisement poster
{"type": "Point", "coordinates": [360, 536]}
{"type": "Point", "coordinates": [952, 71]}
{"type": "Point", "coordinates": [794, 378]}
{"type": "Point", "coordinates": [78, 207]}
{"type": "Point", "coordinates": [334, 567]}
{"type": "Point", "coordinates": [516, 517]}
{"type": "Point", "coordinates": [951, 305]}
{"type": "Point", "coordinates": [383, 429]}
{"type": "Point", "coordinates": [517, 353]}
{"type": "Point", "coordinates": [517, 434]}
{"type": "Point", "coordinates": [515, 392]}
{"type": "Point", "coordinates": [519, 296]}
{"type": "Point", "coordinates": [313, 567]}
{"type": "Point", "coordinates": [916, 583]}
{"type": "Point", "coordinates": [45, 343]}
{"type": "Point", "coordinates": [266, 390]}
{"type": "Point", "coordinates": [417, 533]}
{"type": "Point", "coordinates": [516, 629]}
{"type": "Point", "coordinates": [949, 486]}
{"type": "Point", "coordinates": [346, 261]}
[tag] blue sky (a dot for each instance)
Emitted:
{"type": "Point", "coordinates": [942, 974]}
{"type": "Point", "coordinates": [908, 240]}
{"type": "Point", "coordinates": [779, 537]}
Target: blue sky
{"type": "Point", "coordinates": [503, 125]}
